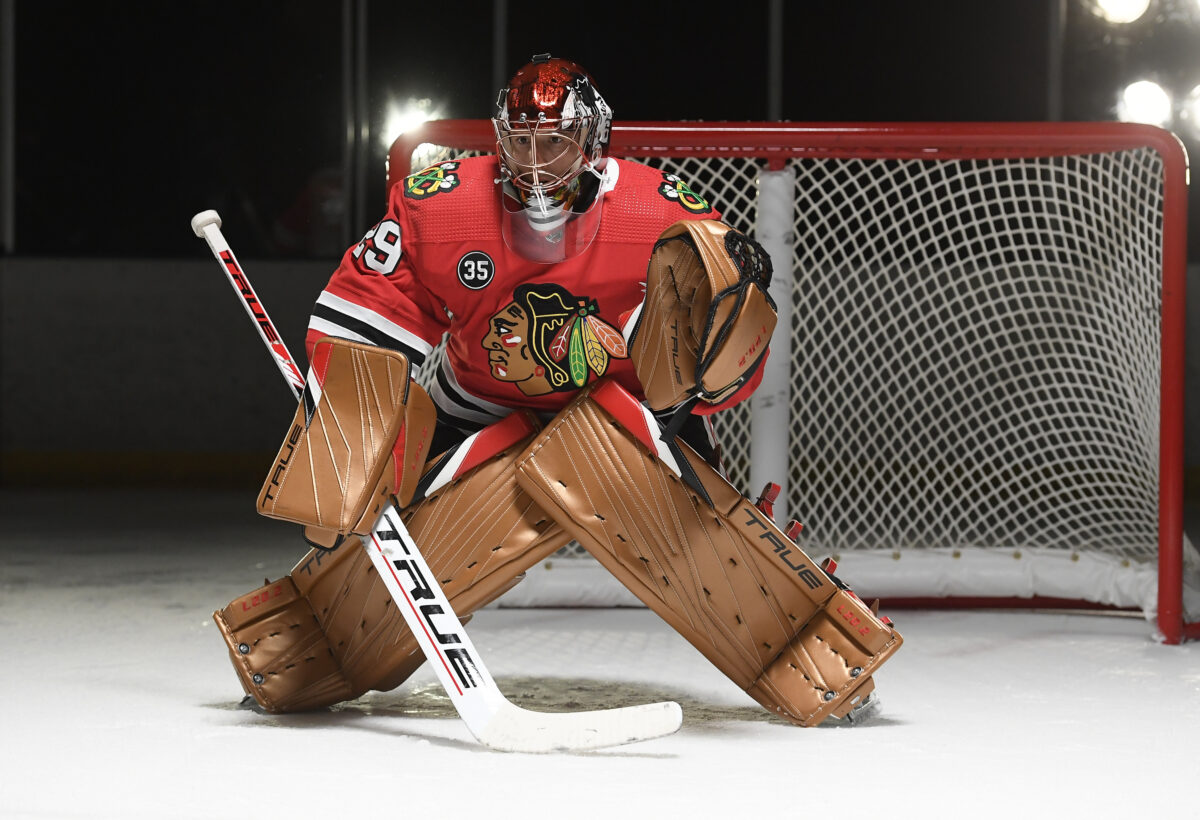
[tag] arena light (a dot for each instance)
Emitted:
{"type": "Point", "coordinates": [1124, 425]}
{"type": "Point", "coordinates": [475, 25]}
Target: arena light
{"type": "Point", "coordinates": [407, 117]}
{"type": "Point", "coordinates": [1144, 101]}
{"type": "Point", "coordinates": [1120, 11]}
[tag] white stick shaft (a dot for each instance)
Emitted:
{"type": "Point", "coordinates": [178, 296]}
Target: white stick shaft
{"type": "Point", "coordinates": [432, 620]}
{"type": "Point", "coordinates": [254, 309]}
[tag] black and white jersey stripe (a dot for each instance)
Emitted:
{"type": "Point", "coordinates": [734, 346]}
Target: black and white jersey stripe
{"type": "Point", "coordinates": [335, 316]}
{"type": "Point", "coordinates": [459, 408]}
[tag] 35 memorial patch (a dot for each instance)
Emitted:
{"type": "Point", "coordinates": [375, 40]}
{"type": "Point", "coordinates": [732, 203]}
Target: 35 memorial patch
{"type": "Point", "coordinates": [476, 270]}
{"type": "Point", "coordinates": [676, 190]}
{"type": "Point", "coordinates": [432, 181]}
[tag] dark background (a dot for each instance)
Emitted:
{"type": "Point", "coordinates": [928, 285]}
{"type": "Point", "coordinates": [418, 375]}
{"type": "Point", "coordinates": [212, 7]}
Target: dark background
{"type": "Point", "coordinates": [155, 110]}
{"type": "Point", "coordinates": [125, 358]}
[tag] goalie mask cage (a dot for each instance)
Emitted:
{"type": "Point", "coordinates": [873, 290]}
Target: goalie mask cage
{"type": "Point", "coordinates": [978, 369]}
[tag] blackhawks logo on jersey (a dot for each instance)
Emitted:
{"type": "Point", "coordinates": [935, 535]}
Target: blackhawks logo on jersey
{"type": "Point", "coordinates": [548, 340]}
{"type": "Point", "coordinates": [676, 190]}
{"type": "Point", "coordinates": [431, 181]}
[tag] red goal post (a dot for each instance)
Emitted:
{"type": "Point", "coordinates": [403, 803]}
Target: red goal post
{"type": "Point", "coordinates": [980, 357]}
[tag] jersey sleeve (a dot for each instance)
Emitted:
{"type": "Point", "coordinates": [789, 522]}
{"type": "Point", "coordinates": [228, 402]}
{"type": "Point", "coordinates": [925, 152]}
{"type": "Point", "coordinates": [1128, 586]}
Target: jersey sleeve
{"type": "Point", "coordinates": [376, 295]}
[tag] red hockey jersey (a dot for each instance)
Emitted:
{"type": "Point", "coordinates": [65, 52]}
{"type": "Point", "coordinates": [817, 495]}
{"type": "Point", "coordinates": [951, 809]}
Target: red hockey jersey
{"type": "Point", "coordinates": [521, 334]}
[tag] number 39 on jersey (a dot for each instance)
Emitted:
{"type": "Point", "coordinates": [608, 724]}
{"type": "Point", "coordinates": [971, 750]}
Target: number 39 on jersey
{"type": "Point", "coordinates": [379, 249]}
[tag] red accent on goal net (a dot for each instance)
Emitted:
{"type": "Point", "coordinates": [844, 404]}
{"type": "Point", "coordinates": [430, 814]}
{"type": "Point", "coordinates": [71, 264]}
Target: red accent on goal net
{"type": "Point", "coordinates": [986, 347]}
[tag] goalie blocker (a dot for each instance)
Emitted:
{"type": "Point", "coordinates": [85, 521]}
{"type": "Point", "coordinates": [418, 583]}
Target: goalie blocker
{"type": "Point", "coordinates": [360, 434]}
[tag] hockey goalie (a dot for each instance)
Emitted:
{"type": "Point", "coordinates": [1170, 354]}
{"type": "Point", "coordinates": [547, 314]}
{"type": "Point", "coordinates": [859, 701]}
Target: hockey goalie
{"type": "Point", "coordinates": [596, 312]}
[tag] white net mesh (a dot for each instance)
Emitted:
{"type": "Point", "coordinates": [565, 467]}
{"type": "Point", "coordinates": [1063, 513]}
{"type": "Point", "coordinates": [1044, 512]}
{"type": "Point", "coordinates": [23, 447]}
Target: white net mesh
{"type": "Point", "coordinates": [975, 368]}
{"type": "Point", "coordinates": [977, 356]}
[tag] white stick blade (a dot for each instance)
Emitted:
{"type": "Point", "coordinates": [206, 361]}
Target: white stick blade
{"type": "Point", "coordinates": [514, 729]}
{"type": "Point", "coordinates": [202, 220]}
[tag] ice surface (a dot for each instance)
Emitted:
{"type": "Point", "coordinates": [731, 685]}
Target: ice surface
{"type": "Point", "coordinates": [119, 701]}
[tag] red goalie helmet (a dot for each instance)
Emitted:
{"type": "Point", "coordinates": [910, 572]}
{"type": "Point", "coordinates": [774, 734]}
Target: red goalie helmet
{"type": "Point", "coordinates": [552, 129]}
{"type": "Point", "coordinates": [551, 125]}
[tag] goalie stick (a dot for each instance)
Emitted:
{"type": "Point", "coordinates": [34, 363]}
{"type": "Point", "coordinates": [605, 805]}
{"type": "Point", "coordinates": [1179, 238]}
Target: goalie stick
{"type": "Point", "coordinates": [491, 718]}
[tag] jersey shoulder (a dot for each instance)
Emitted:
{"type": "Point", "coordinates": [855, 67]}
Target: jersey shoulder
{"type": "Point", "coordinates": [450, 199]}
{"type": "Point", "coordinates": [646, 201]}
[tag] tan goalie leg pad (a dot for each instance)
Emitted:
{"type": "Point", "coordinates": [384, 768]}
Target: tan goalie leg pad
{"type": "Point", "coordinates": [279, 651]}
{"type": "Point", "coordinates": [724, 576]}
{"type": "Point", "coordinates": [479, 533]}
{"type": "Point", "coordinates": [326, 633]}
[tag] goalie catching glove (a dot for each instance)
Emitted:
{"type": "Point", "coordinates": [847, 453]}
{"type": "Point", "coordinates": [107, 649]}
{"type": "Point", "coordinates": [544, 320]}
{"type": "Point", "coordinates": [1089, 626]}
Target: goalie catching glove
{"type": "Point", "coordinates": [701, 335]}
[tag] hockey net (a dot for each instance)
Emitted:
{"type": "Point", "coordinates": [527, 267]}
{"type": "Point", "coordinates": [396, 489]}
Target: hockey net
{"type": "Point", "coordinates": [982, 338]}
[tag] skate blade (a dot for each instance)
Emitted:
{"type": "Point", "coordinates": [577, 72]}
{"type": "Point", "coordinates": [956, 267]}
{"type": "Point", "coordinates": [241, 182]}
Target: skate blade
{"type": "Point", "coordinates": [251, 705]}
